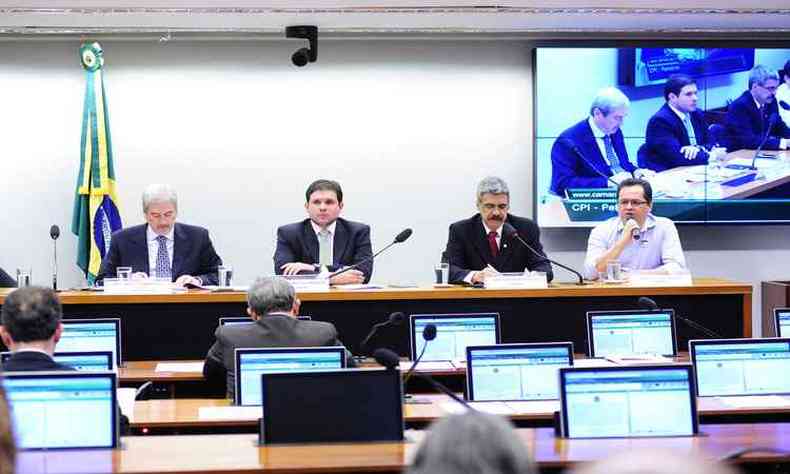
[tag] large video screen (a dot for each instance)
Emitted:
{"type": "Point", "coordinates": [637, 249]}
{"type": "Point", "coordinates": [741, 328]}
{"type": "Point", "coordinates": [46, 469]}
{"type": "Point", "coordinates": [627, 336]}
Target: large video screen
{"type": "Point", "coordinates": [573, 186]}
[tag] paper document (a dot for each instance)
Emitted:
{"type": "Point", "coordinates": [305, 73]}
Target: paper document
{"type": "Point", "coordinates": [534, 406]}
{"type": "Point", "coordinates": [756, 401]}
{"type": "Point", "coordinates": [230, 413]}
{"type": "Point", "coordinates": [638, 359]}
{"type": "Point", "coordinates": [496, 408]}
{"type": "Point", "coordinates": [428, 365]}
{"type": "Point", "coordinates": [593, 363]}
{"type": "Point", "coordinates": [359, 286]}
{"type": "Point", "coordinates": [179, 367]}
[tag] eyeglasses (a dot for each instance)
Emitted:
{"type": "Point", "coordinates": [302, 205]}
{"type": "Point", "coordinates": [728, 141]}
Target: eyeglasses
{"type": "Point", "coordinates": [631, 202]}
{"type": "Point", "coordinates": [490, 207]}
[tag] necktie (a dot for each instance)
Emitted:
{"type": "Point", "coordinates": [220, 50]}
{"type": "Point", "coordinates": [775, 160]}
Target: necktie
{"type": "Point", "coordinates": [324, 249]}
{"type": "Point", "coordinates": [492, 244]}
{"type": "Point", "coordinates": [611, 156]}
{"type": "Point", "coordinates": [690, 130]}
{"type": "Point", "coordinates": [163, 269]}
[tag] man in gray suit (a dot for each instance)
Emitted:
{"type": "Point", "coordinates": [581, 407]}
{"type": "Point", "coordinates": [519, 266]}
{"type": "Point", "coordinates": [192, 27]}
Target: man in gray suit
{"type": "Point", "coordinates": [273, 306]}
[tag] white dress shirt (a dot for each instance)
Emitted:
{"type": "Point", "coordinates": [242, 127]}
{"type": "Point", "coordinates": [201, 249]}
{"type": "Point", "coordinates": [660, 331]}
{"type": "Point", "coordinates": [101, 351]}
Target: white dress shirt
{"type": "Point", "coordinates": [153, 248]}
{"type": "Point", "coordinates": [331, 228]}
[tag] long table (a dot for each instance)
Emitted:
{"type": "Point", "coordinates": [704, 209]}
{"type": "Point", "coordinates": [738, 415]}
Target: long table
{"type": "Point", "coordinates": [181, 325]}
{"type": "Point", "coordinates": [239, 453]}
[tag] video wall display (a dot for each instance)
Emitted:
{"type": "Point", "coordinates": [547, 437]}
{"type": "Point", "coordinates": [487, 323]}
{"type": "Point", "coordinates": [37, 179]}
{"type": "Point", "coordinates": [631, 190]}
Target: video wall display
{"type": "Point", "coordinates": [586, 141]}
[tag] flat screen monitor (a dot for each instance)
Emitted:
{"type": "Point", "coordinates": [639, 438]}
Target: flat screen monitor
{"type": "Point", "coordinates": [628, 401]}
{"type": "Point", "coordinates": [84, 361]}
{"type": "Point", "coordinates": [233, 320]}
{"type": "Point", "coordinates": [516, 371]}
{"type": "Point", "coordinates": [741, 366]}
{"type": "Point", "coordinates": [91, 335]}
{"type": "Point", "coordinates": [349, 405]}
{"type": "Point", "coordinates": [454, 332]}
{"type": "Point", "coordinates": [251, 363]}
{"type": "Point", "coordinates": [623, 333]}
{"type": "Point", "coordinates": [55, 410]}
{"type": "Point", "coordinates": [782, 318]}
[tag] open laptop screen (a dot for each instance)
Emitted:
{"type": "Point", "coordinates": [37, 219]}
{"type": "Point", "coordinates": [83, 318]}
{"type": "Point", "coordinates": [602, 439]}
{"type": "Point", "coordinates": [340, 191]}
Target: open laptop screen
{"type": "Point", "coordinates": [333, 406]}
{"type": "Point", "coordinates": [741, 366]}
{"type": "Point", "coordinates": [91, 335]}
{"type": "Point", "coordinates": [85, 361]}
{"type": "Point", "coordinates": [251, 363]}
{"type": "Point", "coordinates": [618, 333]}
{"type": "Point", "coordinates": [63, 409]}
{"type": "Point", "coordinates": [454, 332]}
{"type": "Point", "coordinates": [516, 371]}
{"type": "Point", "coordinates": [782, 316]}
{"type": "Point", "coordinates": [614, 402]}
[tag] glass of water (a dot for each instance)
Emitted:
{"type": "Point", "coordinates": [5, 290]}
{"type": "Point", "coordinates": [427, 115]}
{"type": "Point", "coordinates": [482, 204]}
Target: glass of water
{"type": "Point", "coordinates": [24, 277]}
{"type": "Point", "coordinates": [225, 275]}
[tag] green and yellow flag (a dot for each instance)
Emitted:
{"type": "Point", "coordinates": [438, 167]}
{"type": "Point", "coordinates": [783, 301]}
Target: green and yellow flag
{"type": "Point", "coordinates": [96, 214]}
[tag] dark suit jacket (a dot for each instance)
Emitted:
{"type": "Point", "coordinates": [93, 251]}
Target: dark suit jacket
{"type": "Point", "coordinates": [272, 330]}
{"type": "Point", "coordinates": [666, 134]}
{"type": "Point", "coordinates": [297, 242]}
{"type": "Point", "coordinates": [28, 361]}
{"type": "Point", "coordinates": [746, 126]}
{"type": "Point", "coordinates": [6, 280]}
{"type": "Point", "coordinates": [193, 253]}
{"type": "Point", "coordinates": [468, 250]}
{"type": "Point", "coordinates": [569, 170]}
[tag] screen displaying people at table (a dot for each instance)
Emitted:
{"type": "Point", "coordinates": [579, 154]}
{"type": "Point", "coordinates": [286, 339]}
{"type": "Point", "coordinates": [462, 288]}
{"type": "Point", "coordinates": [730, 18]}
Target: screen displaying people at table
{"type": "Point", "coordinates": [627, 402]}
{"type": "Point", "coordinates": [516, 371]}
{"type": "Point", "coordinates": [251, 363]}
{"type": "Point", "coordinates": [454, 332]}
{"type": "Point", "coordinates": [82, 361]}
{"type": "Point", "coordinates": [741, 366]}
{"type": "Point", "coordinates": [63, 410]}
{"type": "Point", "coordinates": [623, 333]}
{"type": "Point", "coordinates": [90, 335]}
{"type": "Point", "coordinates": [674, 136]}
{"type": "Point", "coordinates": [782, 317]}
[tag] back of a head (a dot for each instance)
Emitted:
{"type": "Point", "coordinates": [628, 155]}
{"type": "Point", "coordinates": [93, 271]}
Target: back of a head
{"type": "Point", "coordinates": [270, 295]}
{"type": "Point", "coordinates": [654, 461]}
{"type": "Point", "coordinates": [472, 443]}
{"type": "Point", "coordinates": [31, 314]}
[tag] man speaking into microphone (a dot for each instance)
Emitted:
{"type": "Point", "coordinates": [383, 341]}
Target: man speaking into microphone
{"type": "Point", "coordinates": [635, 237]}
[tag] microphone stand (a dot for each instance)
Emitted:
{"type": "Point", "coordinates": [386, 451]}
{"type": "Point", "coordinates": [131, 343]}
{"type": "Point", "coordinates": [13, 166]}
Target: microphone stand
{"type": "Point", "coordinates": [364, 260]}
{"type": "Point", "coordinates": [525, 244]}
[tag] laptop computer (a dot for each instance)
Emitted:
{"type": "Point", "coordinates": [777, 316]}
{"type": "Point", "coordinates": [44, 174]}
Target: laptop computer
{"type": "Point", "coordinates": [246, 319]}
{"type": "Point", "coordinates": [349, 405]}
{"type": "Point", "coordinates": [624, 333]}
{"type": "Point", "coordinates": [251, 363]}
{"type": "Point", "coordinates": [782, 321]}
{"type": "Point", "coordinates": [516, 371]}
{"type": "Point", "coordinates": [91, 335]}
{"type": "Point", "coordinates": [85, 361]}
{"type": "Point", "coordinates": [628, 401]}
{"type": "Point", "coordinates": [59, 410]}
{"type": "Point", "coordinates": [454, 332]}
{"type": "Point", "coordinates": [741, 366]}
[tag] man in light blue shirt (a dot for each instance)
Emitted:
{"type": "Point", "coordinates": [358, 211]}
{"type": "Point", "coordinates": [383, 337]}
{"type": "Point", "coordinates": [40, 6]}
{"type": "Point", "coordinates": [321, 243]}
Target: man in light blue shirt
{"type": "Point", "coordinates": [635, 237]}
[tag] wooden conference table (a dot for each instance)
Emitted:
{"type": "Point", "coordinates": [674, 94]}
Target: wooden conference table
{"type": "Point", "coordinates": [239, 453]}
{"type": "Point", "coordinates": [181, 326]}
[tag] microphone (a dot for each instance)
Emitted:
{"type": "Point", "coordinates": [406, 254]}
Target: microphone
{"type": "Point", "coordinates": [395, 319]}
{"type": "Point", "coordinates": [511, 232]}
{"type": "Point", "coordinates": [578, 152]}
{"type": "Point", "coordinates": [636, 232]}
{"type": "Point", "coordinates": [401, 237]}
{"type": "Point", "coordinates": [428, 335]}
{"type": "Point", "coordinates": [784, 105]}
{"type": "Point", "coordinates": [54, 233]}
{"type": "Point", "coordinates": [771, 121]}
{"type": "Point", "coordinates": [390, 360]}
{"type": "Point", "coordinates": [648, 303]}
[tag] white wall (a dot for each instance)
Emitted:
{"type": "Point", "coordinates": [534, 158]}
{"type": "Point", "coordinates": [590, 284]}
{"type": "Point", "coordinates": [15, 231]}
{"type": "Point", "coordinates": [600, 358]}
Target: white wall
{"type": "Point", "coordinates": [408, 127]}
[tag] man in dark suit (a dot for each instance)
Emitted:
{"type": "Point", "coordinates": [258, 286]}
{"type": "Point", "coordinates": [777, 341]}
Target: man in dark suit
{"type": "Point", "coordinates": [592, 154]}
{"type": "Point", "coordinates": [749, 115]}
{"type": "Point", "coordinates": [484, 245]}
{"type": "Point", "coordinates": [31, 329]}
{"type": "Point", "coordinates": [273, 306]}
{"type": "Point", "coordinates": [324, 241]}
{"type": "Point", "coordinates": [163, 248]}
{"type": "Point", "coordinates": [677, 135]}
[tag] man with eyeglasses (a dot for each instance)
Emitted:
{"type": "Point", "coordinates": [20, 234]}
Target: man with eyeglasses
{"type": "Point", "coordinates": [483, 245]}
{"type": "Point", "coordinates": [749, 115]}
{"type": "Point", "coordinates": [635, 238]}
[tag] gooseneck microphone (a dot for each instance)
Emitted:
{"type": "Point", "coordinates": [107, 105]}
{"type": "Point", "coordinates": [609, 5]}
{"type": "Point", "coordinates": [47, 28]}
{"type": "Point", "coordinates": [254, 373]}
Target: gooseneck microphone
{"type": "Point", "coordinates": [648, 303]}
{"type": "Point", "coordinates": [390, 360]}
{"type": "Point", "coordinates": [511, 232]}
{"type": "Point", "coordinates": [579, 153]}
{"type": "Point", "coordinates": [395, 319]}
{"type": "Point", "coordinates": [428, 335]}
{"type": "Point", "coordinates": [401, 237]}
{"type": "Point", "coordinates": [784, 105]}
{"type": "Point", "coordinates": [54, 233]}
{"type": "Point", "coordinates": [771, 121]}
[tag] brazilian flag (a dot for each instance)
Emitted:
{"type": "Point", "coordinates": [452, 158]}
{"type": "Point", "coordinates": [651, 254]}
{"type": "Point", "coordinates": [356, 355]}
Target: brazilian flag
{"type": "Point", "coordinates": [96, 214]}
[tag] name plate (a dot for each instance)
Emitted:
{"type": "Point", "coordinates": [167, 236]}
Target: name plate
{"type": "Point", "coordinates": [516, 281]}
{"type": "Point", "coordinates": [147, 286]}
{"type": "Point", "coordinates": [637, 278]}
{"type": "Point", "coordinates": [318, 282]}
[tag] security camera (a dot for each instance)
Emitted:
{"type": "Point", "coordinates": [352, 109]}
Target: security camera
{"type": "Point", "coordinates": [304, 55]}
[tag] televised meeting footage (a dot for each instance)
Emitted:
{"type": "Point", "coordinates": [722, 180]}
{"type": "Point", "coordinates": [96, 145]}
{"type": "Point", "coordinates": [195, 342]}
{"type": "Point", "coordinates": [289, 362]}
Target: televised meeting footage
{"type": "Point", "coordinates": [709, 128]}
